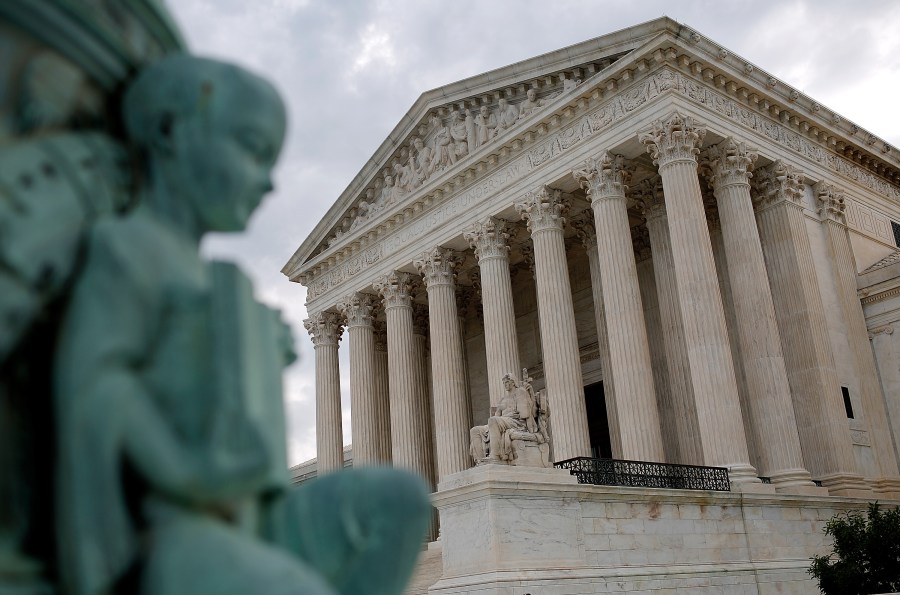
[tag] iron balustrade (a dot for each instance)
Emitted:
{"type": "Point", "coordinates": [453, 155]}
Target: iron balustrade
{"type": "Point", "coordinates": [644, 474]}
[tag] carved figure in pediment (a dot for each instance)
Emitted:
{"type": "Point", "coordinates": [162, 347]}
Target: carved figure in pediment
{"type": "Point", "coordinates": [517, 431]}
{"type": "Point", "coordinates": [507, 116]}
{"type": "Point", "coordinates": [403, 175]}
{"type": "Point", "coordinates": [462, 133]}
{"type": "Point", "coordinates": [443, 148]}
{"type": "Point", "coordinates": [420, 161]}
{"type": "Point", "coordinates": [530, 105]}
{"type": "Point", "coordinates": [390, 193]}
{"type": "Point", "coordinates": [485, 125]}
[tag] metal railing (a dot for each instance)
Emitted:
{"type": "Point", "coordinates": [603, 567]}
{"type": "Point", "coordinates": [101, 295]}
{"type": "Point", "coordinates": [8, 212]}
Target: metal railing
{"type": "Point", "coordinates": [644, 474]}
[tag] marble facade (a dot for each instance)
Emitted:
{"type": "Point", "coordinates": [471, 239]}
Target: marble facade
{"type": "Point", "coordinates": [646, 210]}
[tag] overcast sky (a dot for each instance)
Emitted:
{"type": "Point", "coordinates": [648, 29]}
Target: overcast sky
{"type": "Point", "coordinates": [350, 69]}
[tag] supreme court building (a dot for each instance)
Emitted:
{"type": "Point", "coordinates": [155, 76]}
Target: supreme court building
{"type": "Point", "coordinates": [697, 262]}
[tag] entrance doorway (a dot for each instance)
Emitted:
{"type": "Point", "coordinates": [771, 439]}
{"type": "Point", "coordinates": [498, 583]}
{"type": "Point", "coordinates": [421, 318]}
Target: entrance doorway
{"type": "Point", "coordinates": [598, 423]}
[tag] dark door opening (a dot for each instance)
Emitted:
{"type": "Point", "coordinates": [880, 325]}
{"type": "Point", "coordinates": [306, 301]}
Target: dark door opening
{"type": "Point", "coordinates": [598, 423]}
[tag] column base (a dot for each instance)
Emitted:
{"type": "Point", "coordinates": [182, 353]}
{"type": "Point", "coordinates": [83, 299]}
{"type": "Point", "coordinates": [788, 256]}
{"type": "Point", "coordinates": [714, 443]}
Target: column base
{"type": "Point", "coordinates": [887, 487]}
{"type": "Point", "coordinates": [796, 481]}
{"type": "Point", "coordinates": [847, 484]}
{"type": "Point", "coordinates": [744, 479]}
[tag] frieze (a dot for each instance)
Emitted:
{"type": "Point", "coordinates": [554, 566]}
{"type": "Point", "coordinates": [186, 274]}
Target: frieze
{"type": "Point", "coordinates": [748, 117]}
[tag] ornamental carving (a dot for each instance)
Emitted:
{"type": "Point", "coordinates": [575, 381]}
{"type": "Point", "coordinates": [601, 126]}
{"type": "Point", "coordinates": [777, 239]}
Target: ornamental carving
{"type": "Point", "coordinates": [544, 209]}
{"type": "Point", "coordinates": [438, 265]}
{"type": "Point", "coordinates": [648, 197]}
{"type": "Point", "coordinates": [489, 238]}
{"type": "Point", "coordinates": [396, 289]}
{"type": "Point", "coordinates": [831, 202]}
{"type": "Point", "coordinates": [585, 230]}
{"type": "Point", "coordinates": [324, 328]}
{"type": "Point", "coordinates": [778, 182]}
{"type": "Point", "coordinates": [357, 309]}
{"type": "Point", "coordinates": [676, 138]}
{"type": "Point", "coordinates": [728, 162]}
{"type": "Point", "coordinates": [603, 176]}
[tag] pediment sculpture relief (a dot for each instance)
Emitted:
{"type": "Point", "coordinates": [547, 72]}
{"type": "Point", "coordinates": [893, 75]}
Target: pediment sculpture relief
{"type": "Point", "coordinates": [517, 432]}
{"type": "Point", "coordinates": [439, 146]}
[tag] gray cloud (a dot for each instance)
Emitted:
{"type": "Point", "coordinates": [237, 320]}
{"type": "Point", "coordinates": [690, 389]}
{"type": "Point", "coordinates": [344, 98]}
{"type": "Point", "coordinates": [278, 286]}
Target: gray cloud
{"type": "Point", "coordinates": [350, 70]}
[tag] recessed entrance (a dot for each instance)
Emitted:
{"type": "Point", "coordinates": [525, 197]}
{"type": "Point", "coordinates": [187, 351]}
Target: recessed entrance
{"type": "Point", "coordinates": [598, 423]}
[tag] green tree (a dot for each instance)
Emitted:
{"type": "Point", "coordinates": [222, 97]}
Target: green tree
{"type": "Point", "coordinates": [866, 556]}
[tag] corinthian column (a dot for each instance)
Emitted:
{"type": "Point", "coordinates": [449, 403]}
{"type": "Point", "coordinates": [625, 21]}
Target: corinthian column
{"type": "Point", "coordinates": [687, 431]}
{"type": "Point", "coordinates": [357, 310]}
{"type": "Point", "coordinates": [772, 420]}
{"type": "Point", "coordinates": [408, 433]}
{"type": "Point", "coordinates": [325, 330]}
{"type": "Point", "coordinates": [382, 394]}
{"type": "Point", "coordinates": [673, 144]}
{"type": "Point", "coordinates": [543, 211]}
{"type": "Point", "coordinates": [451, 406]}
{"type": "Point", "coordinates": [489, 239]}
{"type": "Point", "coordinates": [816, 393]}
{"type": "Point", "coordinates": [588, 236]}
{"type": "Point", "coordinates": [604, 180]}
{"type": "Point", "coordinates": [831, 210]}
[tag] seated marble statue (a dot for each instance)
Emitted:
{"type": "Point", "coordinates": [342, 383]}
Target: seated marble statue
{"type": "Point", "coordinates": [507, 114]}
{"type": "Point", "coordinates": [517, 431]}
{"type": "Point", "coordinates": [530, 105]}
{"type": "Point", "coordinates": [172, 471]}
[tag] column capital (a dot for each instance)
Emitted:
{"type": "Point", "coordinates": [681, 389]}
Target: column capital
{"type": "Point", "coordinates": [605, 175]}
{"type": "Point", "coordinates": [438, 266]}
{"type": "Point", "coordinates": [831, 202]}
{"type": "Point", "coordinates": [324, 328]}
{"type": "Point", "coordinates": [728, 163]}
{"type": "Point", "coordinates": [778, 182]}
{"type": "Point", "coordinates": [585, 230]}
{"type": "Point", "coordinates": [357, 309]}
{"type": "Point", "coordinates": [671, 139]}
{"type": "Point", "coordinates": [544, 209]}
{"type": "Point", "coordinates": [648, 197]}
{"type": "Point", "coordinates": [489, 238]}
{"type": "Point", "coordinates": [640, 242]}
{"type": "Point", "coordinates": [396, 289]}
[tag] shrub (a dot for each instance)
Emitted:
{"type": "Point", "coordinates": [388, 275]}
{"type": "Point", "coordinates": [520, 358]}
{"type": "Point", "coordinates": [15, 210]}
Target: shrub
{"type": "Point", "coordinates": [866, 556]}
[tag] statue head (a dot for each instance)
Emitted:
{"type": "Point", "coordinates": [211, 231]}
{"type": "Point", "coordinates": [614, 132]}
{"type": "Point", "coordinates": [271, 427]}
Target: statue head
{"type": "Point", "coordinates": [210, 134]}
{"type": "Point", "coordinates": [531, 94]}
{"type": "Point", "coordinates": [509, 382]}
{"type": "Point", "coordinates": [484, 111]}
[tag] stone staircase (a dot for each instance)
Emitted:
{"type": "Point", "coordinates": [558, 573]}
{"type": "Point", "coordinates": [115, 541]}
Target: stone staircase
{"type": "Point", "coordinates": [428, 570]}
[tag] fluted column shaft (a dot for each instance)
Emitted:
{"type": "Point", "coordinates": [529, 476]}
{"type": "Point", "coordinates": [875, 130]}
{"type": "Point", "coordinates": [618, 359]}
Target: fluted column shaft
{"type": "Point", "coordinates": [638, 418]}
{"type": "Point", "coordinates": [687, 430]}
{"type": "Point", "coordinates": [407, 430]}
{"type": "Point", "coordinates": [806, 345]}
{"type": "Point", "coordinates": [325, 330]}
{"type": "Point", "coordinates": [451, 406]}
{"type": "Point", "coordinates": [423, 404]}
{"type": "Point", "coordinates": [543, 211]}
{"type": "Point", "coordinates": [357, 310]}
{"type": "Point", "coordinates": [588, 237]}
{"type": "Point", "coordinates": [831, 210]}
{"type": "Point", "coordinates": [382, 395]}
{"type": "Point", "coordinates": [772, 419]}
{"type": "Point", "coordinates": [489, 239]}
{"type": "Point", "coordinates": [673, 144]}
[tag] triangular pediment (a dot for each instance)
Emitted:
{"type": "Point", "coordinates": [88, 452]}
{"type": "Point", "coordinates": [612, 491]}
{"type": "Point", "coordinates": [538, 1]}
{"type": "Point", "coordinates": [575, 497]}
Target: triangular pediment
{"type": "Point", "coordinates": [456, 133]}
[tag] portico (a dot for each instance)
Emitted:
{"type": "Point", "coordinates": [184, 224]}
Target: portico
{"type": "Point", "coordinates": [660, 140]}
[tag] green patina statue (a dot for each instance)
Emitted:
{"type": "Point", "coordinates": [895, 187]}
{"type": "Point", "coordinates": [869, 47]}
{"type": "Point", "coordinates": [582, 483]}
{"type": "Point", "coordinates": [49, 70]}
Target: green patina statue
{"type": "Point", "coordinates": [159, 371]}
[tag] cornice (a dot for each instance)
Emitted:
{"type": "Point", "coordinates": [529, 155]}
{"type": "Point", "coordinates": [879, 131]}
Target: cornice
{"type": "Point", "coordinates": [622, 88]}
